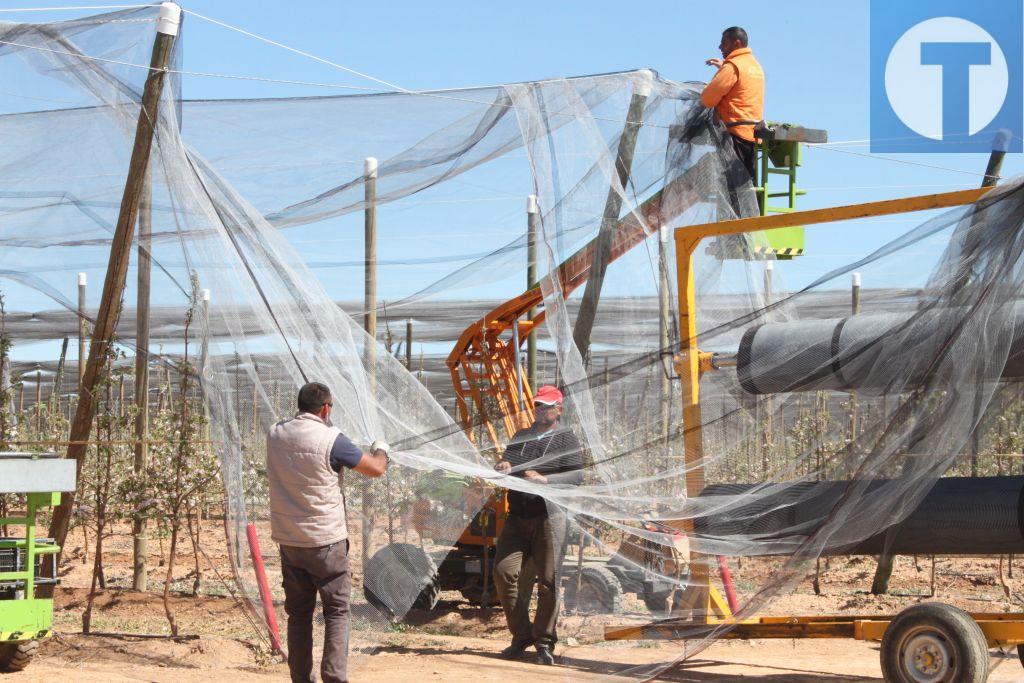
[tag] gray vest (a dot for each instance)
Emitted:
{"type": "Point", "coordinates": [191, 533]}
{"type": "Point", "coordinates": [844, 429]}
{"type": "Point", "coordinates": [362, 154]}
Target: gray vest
{"type": "Point", "coordinates": [306, 506]}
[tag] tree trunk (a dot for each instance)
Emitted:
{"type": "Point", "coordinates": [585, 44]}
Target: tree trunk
{"type": "Point", "coordinates": [169, 578]}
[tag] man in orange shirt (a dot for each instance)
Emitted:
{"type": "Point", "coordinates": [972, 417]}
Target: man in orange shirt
{"type": "Point", "coordinates": [737, 93]}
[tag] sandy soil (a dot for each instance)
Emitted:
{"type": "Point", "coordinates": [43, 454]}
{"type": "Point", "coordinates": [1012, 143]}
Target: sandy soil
{"type": "Point", "coordinates": [458, 642]}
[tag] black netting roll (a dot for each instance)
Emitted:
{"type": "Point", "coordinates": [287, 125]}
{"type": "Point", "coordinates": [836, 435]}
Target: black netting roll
{"type": "Point", "coordinates": [865, 352]}
{"type": "Point", "coordinates": [959, 516]}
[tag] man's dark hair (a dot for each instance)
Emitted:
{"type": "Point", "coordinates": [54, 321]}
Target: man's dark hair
{"type": "Point", "coordinates": [313, 397]}
{"type": "Point", "coordinates": [736, 33]}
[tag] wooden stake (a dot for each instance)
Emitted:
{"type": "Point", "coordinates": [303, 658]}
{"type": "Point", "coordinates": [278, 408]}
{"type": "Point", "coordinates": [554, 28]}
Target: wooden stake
{"type": "Point", "coordinates": [83, 329]}
{"type": "Point", "coordinates": [664, 321]}
{"type": "Point", "coordinates": [408, 344]}
{"type": "Point", "coordinates": [370, 324]}
{"type": "Point", "coordinates": [610, 220]}
{"type": "Point", "coordinates": [39, 401]}
{"type": "Point", "coordinates": [140, 551]}
{"type": "Point", "coordinates": [120, 252]}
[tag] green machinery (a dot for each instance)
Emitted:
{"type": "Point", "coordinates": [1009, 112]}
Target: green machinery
{"type": "Point", "coordinates": [779, 153]}
{"type": "Point", "coordinates": [28, 563]}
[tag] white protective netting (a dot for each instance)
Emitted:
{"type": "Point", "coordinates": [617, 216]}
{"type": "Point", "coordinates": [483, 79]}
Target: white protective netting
{"type": "Point", "coordinates": [261, 202]}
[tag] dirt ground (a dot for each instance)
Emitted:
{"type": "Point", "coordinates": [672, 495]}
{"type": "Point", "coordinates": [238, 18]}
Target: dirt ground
{"type": "Point", "coordinates": [458, 642]}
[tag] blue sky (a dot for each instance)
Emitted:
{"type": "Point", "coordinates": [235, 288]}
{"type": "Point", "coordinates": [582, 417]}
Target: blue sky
{"type": "Point", "coordinates": [815, 56]}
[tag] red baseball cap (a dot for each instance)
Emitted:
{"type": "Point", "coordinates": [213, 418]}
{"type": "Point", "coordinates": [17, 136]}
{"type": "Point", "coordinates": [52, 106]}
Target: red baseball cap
{"type": "Point", "coordinates": [548, 395]}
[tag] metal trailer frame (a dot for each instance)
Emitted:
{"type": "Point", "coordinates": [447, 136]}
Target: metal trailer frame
{"type": "Point", "coordinates": [707, 612]}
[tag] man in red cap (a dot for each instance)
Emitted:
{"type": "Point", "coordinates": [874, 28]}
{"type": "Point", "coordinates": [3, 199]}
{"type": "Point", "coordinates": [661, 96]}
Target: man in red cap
{"type": "Point", "coordinates": [532, 542]}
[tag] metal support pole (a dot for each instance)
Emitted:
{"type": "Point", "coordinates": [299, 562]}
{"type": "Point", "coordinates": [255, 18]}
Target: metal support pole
{"type": "Point", "coordinates": [532, 220]}
{"type": "Point", "coordinates": [613, 205]}
{"type": "Point", "coordinates": [120, 253]}
{"type": "Point", "coordinates": [144, 262]}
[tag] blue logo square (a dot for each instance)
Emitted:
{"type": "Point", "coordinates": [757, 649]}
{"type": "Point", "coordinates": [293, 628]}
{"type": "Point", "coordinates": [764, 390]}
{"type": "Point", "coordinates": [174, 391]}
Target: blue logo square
{"type": "Point", "coordinates": [946, 75]}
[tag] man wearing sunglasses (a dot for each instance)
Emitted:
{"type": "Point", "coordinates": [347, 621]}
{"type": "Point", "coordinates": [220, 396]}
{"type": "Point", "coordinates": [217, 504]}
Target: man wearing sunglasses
{"type": "Point", "coordinates": [532, 542]}
{"type": "Point", "coordinates": [305, 455]}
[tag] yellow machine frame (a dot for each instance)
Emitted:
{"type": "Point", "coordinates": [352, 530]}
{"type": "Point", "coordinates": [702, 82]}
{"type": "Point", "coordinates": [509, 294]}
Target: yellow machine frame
{"type": "Point", "coordinates": [706, 607]}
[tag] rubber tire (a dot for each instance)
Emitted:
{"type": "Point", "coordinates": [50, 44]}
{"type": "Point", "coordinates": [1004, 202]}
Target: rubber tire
{"type": "Point", "coordinates": [382, 566]}
{"type": "Point", "coordinates": [1020, 654]}
{"type": "Point", "coordinates": [656, 602]}
{"type": "Point", "coordinates": [960, 632]}
{"type": "Point", "coordinates": [600, 581]}
{"type": "Point", "coordinates": [17, 656]}
{"type": "Point", "coordinates": [473, 593]}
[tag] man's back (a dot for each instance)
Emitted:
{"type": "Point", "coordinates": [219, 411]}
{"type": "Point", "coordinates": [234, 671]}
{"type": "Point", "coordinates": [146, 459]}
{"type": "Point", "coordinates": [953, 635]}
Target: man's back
{"type": "Point", "coordinates": [306, 506]}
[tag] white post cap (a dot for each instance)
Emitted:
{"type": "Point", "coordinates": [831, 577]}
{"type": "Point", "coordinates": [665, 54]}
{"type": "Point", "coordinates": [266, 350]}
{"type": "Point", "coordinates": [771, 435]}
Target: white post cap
{"type": "Point", "coordinates": [370, 167]}
{"type": "Point", "coordinates": [644, 83]}
{"type": "Point", "coordinates": [855, 279]}
{"type": "Point", "coordinates": [531, 203]}
{"type": "Point", "coordinates": [204, 294]}
{"type": "Point", "coordinates": [169, 19]}
{"type": "Point", "coordinates": [83, 279]}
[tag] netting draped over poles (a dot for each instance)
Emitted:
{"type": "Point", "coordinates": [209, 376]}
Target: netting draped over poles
{"type": "Point", "coordinates": [260, 202]}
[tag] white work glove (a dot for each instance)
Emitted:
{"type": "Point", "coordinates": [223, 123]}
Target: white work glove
{"type": "Point", "coordinates": [380, 445]}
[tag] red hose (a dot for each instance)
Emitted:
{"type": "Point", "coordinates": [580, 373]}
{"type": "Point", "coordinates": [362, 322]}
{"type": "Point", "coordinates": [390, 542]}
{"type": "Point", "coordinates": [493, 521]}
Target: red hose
{"type": "Point", "coordinates": [261, 583]}
{"type": "Point", "coordinates": [730, 591]}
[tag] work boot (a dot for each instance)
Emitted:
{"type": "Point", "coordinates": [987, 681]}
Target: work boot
{"type": "Point", "coordinates": [516, 649]}
{"type": "Point", "coordinates": [544, 655]}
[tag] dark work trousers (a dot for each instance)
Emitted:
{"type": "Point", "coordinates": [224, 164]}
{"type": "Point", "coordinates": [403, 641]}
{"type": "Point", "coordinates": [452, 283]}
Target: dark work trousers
{"type": "Point", "coordinates": [531, 548]}
{"type": "Point", "coordinates": [747, 153]}
{"type": "Point", "coordinates": [306, 572]}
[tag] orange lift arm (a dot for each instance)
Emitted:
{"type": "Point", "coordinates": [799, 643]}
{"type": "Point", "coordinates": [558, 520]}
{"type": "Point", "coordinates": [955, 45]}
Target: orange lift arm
{"type": "Point", "coordinates": [484, 365]}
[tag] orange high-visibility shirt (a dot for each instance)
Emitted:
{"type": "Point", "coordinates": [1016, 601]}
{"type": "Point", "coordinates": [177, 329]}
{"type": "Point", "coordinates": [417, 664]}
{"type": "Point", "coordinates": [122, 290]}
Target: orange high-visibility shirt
{"type": "Point", "coordinates": [737, 92]}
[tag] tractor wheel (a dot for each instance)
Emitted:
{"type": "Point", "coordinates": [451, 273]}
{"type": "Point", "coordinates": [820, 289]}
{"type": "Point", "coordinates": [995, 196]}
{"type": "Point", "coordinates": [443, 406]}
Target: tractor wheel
{"type": "Point", "coordinates": [598, 592]}
{"type": "Point", "coordinates": [657, 603]}
{"type": "Point", "coordinates": [16, 656]}
{"type": "Point", "coordinates": [934, 643]}
{"type": "Point", "coordinates": [400, 577]}
{"type": "Point", "coordinates": [473, 592]}
{"type": "Point", "coordinates": [1020, 654]}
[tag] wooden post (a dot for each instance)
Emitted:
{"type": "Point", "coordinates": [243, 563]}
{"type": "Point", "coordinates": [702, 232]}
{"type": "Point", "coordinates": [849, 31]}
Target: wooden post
{"type": "Point", "coordinates": [370, 272]}
{"type": "Point", "coordinates": [204, 298]}
{"type": "Point", "coordinates": [408, 344]}
{"type": "Point", "coordinates": [370, 324]}
{"type": "Point", "coordinates": [255, 401]}
{"type": "Point", "coordinates": [995, 159]}
{"type": "Point", "coordinates": [610, 220]}
{"type": "Point", "coordinates": [532, 225]}
{"type": "Point", "coordinates": [854, 310]}
{"type": "Point", "coordinates": [39, 403]}
{"type": "Point", "coordinates": [140, 574]}
{"type": "Point", "coordinates": [83, 328]}
{"type": "Point", "coordinates": [766, 405]}
{"type": "Point", "coordinates": [120, 252]}
{"type": "Point", "coordinates": [664, 321]}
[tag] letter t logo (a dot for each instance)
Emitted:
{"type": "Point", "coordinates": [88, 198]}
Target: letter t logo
{"type": "Point", "coordinates": [956, 59]}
